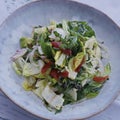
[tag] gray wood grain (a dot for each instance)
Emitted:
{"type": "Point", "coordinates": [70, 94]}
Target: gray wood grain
{"type": "Point", "coordinates": [10, 111]}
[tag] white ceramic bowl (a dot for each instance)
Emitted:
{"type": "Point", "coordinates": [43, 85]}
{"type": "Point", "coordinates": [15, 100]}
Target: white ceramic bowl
{"type": "Point", "coordinates": [41, 13]}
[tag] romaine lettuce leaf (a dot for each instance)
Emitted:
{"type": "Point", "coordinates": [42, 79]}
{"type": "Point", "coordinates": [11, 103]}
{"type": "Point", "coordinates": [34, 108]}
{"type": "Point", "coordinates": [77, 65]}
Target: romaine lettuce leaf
{"type": "Point", "coordinates": [30, 69]}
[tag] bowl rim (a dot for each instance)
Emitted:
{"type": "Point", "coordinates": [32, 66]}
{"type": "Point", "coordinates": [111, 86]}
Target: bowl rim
{"type": "Point", "coordinates": [73, 1]}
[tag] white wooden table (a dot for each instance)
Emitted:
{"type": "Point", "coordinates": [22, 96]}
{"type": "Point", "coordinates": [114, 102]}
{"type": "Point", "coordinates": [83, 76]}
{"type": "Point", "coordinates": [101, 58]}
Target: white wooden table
{"type": "Point", "coordinates": [10, 111]}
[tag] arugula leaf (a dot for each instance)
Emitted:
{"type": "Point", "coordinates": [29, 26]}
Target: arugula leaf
{"type": "Point", "coordinates": [81, 27]}
{"type": "Point", "coordinates": [57, 34]}
{"type": "Point", "coordinates": [90, 90]}
{"type": "Point", "coordinates": [77, 37]}
{"type": "Point", "coordinates": [46, 47]}
{"type": "Point", "coordinates": [59, 25]}
{"type": "Point", "coordinates": [92, 95]}
{"type": "Point", "coordinates": [68, 99]}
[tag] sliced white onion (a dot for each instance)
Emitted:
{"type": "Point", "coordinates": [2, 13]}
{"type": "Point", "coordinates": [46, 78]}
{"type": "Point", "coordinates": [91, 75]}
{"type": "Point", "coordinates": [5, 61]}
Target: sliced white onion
{"type": "Point", "coordinates": [19, 53]}
{"type": "Point", "coordinates": [40, 50]}
{"type": "Point", "coordinates": [90, 42]}
{"type": "Point", "coordinates": [60, 31]}
{"type": "Point", "coordinates": [31, 54]}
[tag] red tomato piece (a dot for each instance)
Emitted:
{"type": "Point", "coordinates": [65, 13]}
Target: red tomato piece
{"type": "Point", "coordinates": [46, 67]}
{"type": "Point", "coordinates": [56, 44]}
{"type": "Point", "coordinates": [54, 73]}
{"type": "Point", "coordinates": [64, 74]}
{"type": "Point", "coordinates": [100, 79]}
{"type": "Point", "coordinates": [66, 51]}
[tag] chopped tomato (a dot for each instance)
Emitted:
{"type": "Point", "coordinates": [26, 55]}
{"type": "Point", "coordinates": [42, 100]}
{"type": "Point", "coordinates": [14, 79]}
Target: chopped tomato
{"type": "Point", "coordinates": [46, 67]}
{"type": "Point", "coordinates": [63, 74]}
{"type": "Point", "coordinates": [100, 79]}
{"type": "Point", "coordinates": [54, 73]}
{"type": "Point", "coordinates": [66, 51]}
{"type": "Point", "coordinates": [78, 68]}
{"type": "Point", "coordinates": [56, 44]}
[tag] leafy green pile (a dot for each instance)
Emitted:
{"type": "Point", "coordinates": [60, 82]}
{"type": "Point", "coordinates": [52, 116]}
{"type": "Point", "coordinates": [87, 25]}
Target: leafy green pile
{"type": "Point", "coordinates": [62, 63]}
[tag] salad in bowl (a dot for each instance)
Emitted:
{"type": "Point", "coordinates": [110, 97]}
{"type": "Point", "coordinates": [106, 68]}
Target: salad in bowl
{"type": "Point", "coordinates": [62, 63]}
